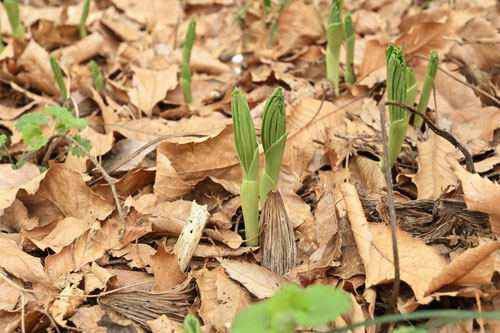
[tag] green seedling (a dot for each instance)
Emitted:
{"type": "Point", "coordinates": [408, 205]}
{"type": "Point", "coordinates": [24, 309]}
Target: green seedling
{"type": "Point", "coordinates": [267, 6]}
{"type": "Point", "coordinates": [426, 89]}
{"type": "Point", "coordinates": [396, 91]}
{"type": "Point", "coordinates": [59, 78]}
{"type": "Point", "coordinates": [247, 148]}
{"type": "Point", "coordinates": [293, 306]}
{"type": "Point", "coordinates": [191, 324]}
{"type": "Point", "coordinates": [186, 57]}
{"type": "Point", "coordinates": [349, 42]}
{"type": "Point", "coordinates": [12, 9]}
{"type": "Point", "coordinates": [334, 39]}
{"type": "Point", "coordinates": [281, 7]}
{"type": "Point", "coordinates": [273, 136]}
{"type": "Point", "coordinates": [30, 127]}
{"type": "Point", "coordinates": [83, 20]}
{"type": "Point", "coordinates": [97, 76]}
{"type": "Point", "coordinates": [411, 86]}
{"type": "Point", "coordinates": [1, 38]}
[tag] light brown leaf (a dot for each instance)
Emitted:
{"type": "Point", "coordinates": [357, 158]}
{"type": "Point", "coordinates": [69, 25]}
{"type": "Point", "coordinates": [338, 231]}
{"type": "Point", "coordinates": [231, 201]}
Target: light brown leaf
{"type": "Point", "coordinates": [434, 173]}
{"type": "Point", "coordinates": [11, 181]}
{"type": "Point", "coordinates": [480, 195]}
{"type": "Point", "coordinates": [166, 269]}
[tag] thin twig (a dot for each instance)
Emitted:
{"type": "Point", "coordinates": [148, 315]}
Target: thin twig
{"type": "Point", "coordinates": [392, 215]}
{"type": "Point", "coordinates": [106, 176]}
{"type": "Point", "coordinates": [23, 327]}
{"type": "Point", "coordinates": [442, 133]}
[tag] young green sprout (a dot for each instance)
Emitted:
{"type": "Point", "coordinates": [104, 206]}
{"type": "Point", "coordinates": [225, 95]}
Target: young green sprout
{"type": "Point", "coordinates": [396, 91]}
{"type": "Point", "coordinates": [274, 136]}
{"type": "Point", "coordinates": [12, 8]}
{"type": "Point", "coordinates": [349, 42]}
{"type": "Point", "coordinates": [186, 57]}
{"type": "Point", "coordinates": [426, 89]}
{"type": "Point", "coordinates": [97, 76]}
{"type": "Point", "coordinates": [1, 38]}
{"type": "Point", "coordinates": [334, 39]}
{"type": "Point", "coordinates": [247, 148]}
{"type": "Point", "coordinates": [83, 19]}
{"type": "Point", "coordinates": [59, 78]}
{"type": "Point", "coordinates": [411, 86]}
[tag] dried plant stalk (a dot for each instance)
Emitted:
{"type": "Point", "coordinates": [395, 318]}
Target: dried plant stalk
{"type": "Point", "coordinates": [279, 253]}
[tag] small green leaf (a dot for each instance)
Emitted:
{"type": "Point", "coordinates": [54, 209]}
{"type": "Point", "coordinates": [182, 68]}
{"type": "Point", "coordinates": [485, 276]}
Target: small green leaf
{"type": "Point", "coordinates": [66, 119]}
{"type": "Point", "coordinates": [97, 76]}
{"type": "Point", "coordinates": [33, 118]}
{"type": "Point", "coordinates": [3, 154]}
{"type": "Point", "coordinates": [254, 318]}
{"type": "Point", "coordinates": [19, 164]}
{"type": "Point", "coordinates": [33, 137]}
{"type": "Point", "coordinates": [3, 138]}
{"type": "Point", "coordinates": [84, 142]}
{"type": "Point", "coordinates": [191, 324]}
{"type": "Point", "coordinates": [42, 169]}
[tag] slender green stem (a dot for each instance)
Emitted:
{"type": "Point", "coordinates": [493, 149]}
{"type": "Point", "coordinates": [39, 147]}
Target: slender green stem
{"type": "Point", "coordinates": [97, 76]}
{"type": "Point", "coordinates": [12, 8]}
{"type": "Point", "coordinates": [59, 78]}
{"type": "Point", "coordinates": [349, 42]}
{"type": "Point", "coordinates": [426, 89]}
{"type": "Point", "coordinates": [83, 19]}
{"type": "Point", "coordinates": [334, 39]}
{"type": "Point", "coordinates": [186, 58]}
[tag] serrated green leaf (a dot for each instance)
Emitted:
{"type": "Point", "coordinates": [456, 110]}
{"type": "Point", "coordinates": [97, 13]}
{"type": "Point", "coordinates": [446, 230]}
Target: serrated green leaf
{"type": "Point", "coordinates": [33, 118]}
{"type": "Point", "coordinates": [76, 151]}
{"type": "Point", "coordinates": [33, 137]}
{"type": "Point", "coordinates": [253, 319]}
{"type": "Point", "coordinates": [66, 119]}
{"type": "Point", "coordinates": [3, 138]}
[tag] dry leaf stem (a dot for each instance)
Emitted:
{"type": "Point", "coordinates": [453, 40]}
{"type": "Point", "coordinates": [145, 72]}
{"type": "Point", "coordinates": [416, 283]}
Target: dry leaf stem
{"type": "Point", "coordinates": [442, 133]}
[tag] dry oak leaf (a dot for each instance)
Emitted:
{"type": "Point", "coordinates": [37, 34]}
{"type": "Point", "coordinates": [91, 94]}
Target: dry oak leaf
{"type": "Point", "coordinates": [434, 173]}
{"type": "Point", "coordinates": [418, 265]}
{"type": "Point", "coordinates": [27, 178]}
{"type": "Point", "coordinates": [166, 269]}
{"type": "Point", "coordinates": [64, 306]}
{"type": "Point", "coordinates": [258, 280]}
{"type": "Point", "coordinates": [481, 195]}
{"type": "Point", "coordinates": [221, 298]}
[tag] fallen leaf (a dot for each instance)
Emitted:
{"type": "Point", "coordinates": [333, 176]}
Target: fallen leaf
{"type": "Point", "coordinates": [27, 178]}
{"type": "Point", "coordinates": [166, 269]}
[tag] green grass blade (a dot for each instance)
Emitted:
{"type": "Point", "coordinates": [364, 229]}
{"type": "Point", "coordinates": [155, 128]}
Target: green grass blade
{"type": "Point", "coordinates": [349, 42]}
{"type": "Point", "coordinates": [1, 38]}
{"type": "Point", "coordinates": [97, 76]}
{"type": "Point", "coordinates": [427, 88]}
{"type": "Point", "coordinates": [59, 78]}
{"type": "Point", "coordinates": [186, 58]}
{"type": "Point", "coordinates": [12, 8]}
{"type": "Point", "coordinates": [83, 19]}
{"type": "Point", "coordinates": [411, 86]}
{"type": "Point", "coordinates": [334, 40]}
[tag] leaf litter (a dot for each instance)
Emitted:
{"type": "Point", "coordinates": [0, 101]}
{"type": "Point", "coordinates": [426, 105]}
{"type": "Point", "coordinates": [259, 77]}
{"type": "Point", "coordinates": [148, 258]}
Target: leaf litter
{"type": "Point", "coordinates": [63, 262]}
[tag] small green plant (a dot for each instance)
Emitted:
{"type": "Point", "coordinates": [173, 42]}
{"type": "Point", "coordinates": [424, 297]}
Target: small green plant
{"type": "Point", "coordinates": [334, 40]}
{"type": "Point", "coordinates": [247, 148]}
{"type": "Point", "coordinates": [273, 136]}
{"type": "Point", "coordinates": [396, 91]}
{"type": "Point", "coordinates": [97, 76]}
{"type": "Point", "coordinates": [83, 19]}
{"type": "Point", "coordinates": [426, 89]}
{"type": "Point", "coordinates": [1, 38]}
{"type": "Point", "coordinates": [411, 86]}
{"type": "Point", "coordinates": [59, 78]}
{"type": "Point", "coordinates": [12, 8]}
{"type": "Point", "coordinates": [293, 306]}
{"type": "Point", "coordinates": [186, 58]}
{"type": "Point", "coordinates": [349, 42]}
{"type": "Point", "coordinates": [191, 324]}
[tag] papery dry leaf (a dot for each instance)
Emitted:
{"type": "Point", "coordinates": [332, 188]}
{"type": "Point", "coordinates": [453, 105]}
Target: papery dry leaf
{"type": "Point", "coordinates": [418, 265]}
{"type": "Point", "coordinates": [151, 12]}
{"type": "Point", "coordinates": [166, 269]}
{"type": "Point", "coordinates": [150, 87]}
{"type": "Point", "coordinates": [9, 295]}
{"type": "Point", "coordinates": [65, 306]}
{"type": "Point", "coordinates": [17, 217]}
{"type": "Point", "coordinates": [96, 278]}
{"type": "Point", "coordinates": [121, 25]}
{"type": "Point", "coordinates": [480, 195]}
{"type": "Point", "coordinates": [27, 178]}
{"type": "Point", "coordinates": [228, 237]}
{"type": "Point", "coordinates": [259, 281]}
{"type": "Point", "coordinates": [434, 173]}
{"type": "Point", "coordinates": [367, 172]}
{"type": "Point", "coordinates": [138, 255]}
{"type": "Point", "coordinates": [86, 318]}
{"type": "Point", "coordinates": [163, 324]}
{"type": "Point", "coordinates": [221, 298]}
{"type": "Point", "coordinates": [87, 48]}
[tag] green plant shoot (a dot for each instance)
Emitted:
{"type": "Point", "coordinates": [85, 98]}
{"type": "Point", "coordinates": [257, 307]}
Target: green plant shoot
{"type": "Point", "coordinates": [426, 89]}
{"type": "Point", "coordinates": [247, 148]}
{"type": "Point", "coordinates": [1, 38]}
{"type": "Point", "coordinates": [12, 8]}
{"type": "Point", "coordinates": [83, 19]}
{"type": "Point", "coordinates": [396, 91]}
{"type": "Point", "coordinates": [186, 58]}
{"type": "Point", "coordinates": [411, 86]}
{"type": "Point", "coordinates": [191, 324]}
{"type": "Point", "coordinates": [349, 42]}
{"type": "Point", "coordinates": [59, 78]}
{"type": "Point", "coordinates": [334, 40]}
{"type": "Point", "coordinates": [274, 136]}
{"type": "Point", "coordinates": [97, 76]}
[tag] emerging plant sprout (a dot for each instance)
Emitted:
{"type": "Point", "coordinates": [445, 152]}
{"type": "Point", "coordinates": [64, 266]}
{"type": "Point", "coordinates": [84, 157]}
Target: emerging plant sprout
{"type": "Point", "coordinates": [334, 39]}
{"type": "Point", "coordinates": [411, 86]}
{"type": "Point", "coordinates": [1, 38]}
{"type": "Point", "coordinates": [349, 42]}
{"type": "Point", "coordinates": [83, 19]}
{"type": "Point", "coordinates": [247, 148]}
{"type": "Point", "coordinates": [59, 78]}
{"type": "Point", "coordinates": [274, 136]}
{"type": "Point", "coordinates": [97, 76]}
{"type": "Point", "coordinates": [426, 89]}
{"type": "Point", "coordinates": [186, 58]}
{"type": "Point", "coordinates": [396, 91]}
{"type": "Point", "coordinates": [12, 8]}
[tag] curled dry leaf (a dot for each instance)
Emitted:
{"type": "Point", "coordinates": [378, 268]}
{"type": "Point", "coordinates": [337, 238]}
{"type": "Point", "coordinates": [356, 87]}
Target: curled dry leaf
{"type": "Point", "coordinates": [27, 178]}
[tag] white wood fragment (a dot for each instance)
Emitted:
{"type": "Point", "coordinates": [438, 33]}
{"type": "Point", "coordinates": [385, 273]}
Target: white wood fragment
{"type": "Point", "coordinates": [191, 234]}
